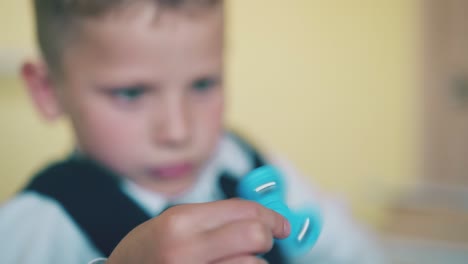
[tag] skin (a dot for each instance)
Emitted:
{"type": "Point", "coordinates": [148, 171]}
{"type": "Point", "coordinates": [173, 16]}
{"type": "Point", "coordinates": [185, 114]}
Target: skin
{"type": "Point", "coordinates": [144, 95]}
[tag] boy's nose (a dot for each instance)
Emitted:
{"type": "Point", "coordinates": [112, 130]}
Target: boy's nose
{"type": "Point", "coordinates": [174, 127]}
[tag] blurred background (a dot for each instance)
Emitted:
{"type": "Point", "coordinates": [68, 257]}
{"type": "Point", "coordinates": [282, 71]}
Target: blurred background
{"type": "Point", "coordinates": [369, 98]}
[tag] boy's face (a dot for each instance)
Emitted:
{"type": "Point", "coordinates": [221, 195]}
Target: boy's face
{"type": "Point", "coordinates": [145, 94]}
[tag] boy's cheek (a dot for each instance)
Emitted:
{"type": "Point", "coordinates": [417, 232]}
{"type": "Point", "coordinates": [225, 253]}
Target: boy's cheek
{"type": "Point", "coordinates": [105, 139]}
{"type": "Point", "coordinates": [212, 120]}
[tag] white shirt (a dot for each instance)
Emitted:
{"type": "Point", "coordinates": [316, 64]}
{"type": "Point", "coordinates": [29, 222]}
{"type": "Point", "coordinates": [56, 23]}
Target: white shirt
{"type": "Point", "coordinates": [35, 229]}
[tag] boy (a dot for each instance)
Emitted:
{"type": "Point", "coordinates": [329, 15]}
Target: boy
{"type": "Point", "coordinates": [141, 82]}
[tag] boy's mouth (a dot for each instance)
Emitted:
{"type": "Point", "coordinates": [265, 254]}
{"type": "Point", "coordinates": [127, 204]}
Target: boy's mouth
{"type": "Point", "coordinates": [173, 171]}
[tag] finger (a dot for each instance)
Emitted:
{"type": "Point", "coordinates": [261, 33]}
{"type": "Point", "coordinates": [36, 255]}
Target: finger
{"type": "Point", "coordinates": [243, 260]}
{"type": "Point", "coordinates": [244, 237]}
{"type": "Point", "coordinates": [207, 216]}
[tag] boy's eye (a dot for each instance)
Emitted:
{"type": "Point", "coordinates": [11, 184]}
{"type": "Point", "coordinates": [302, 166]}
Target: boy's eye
{"type": "Point", "coordinates": [129, 93]}
{"type": "Point", "coordinates": [203, 84]}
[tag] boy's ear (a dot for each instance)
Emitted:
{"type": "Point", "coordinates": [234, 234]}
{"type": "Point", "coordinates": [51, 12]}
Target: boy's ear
{"type": "Point", "coordinates": [41, 89]}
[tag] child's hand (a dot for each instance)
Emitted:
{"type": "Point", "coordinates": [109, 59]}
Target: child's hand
{"type": "Point", "coordinates": [222, 232]}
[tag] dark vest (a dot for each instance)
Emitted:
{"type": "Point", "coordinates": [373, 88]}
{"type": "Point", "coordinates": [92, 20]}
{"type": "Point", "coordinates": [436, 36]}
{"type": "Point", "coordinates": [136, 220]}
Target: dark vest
{"type": "Point", "coordinates": [91, 195]}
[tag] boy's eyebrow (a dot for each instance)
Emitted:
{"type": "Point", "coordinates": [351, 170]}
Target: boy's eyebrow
{"type": "Point", "coordinates": [126, 86]}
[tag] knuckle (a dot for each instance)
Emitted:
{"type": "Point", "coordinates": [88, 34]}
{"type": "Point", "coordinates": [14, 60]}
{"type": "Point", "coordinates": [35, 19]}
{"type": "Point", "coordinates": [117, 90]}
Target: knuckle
{"type": "Point", "coordinates": [253, 209]}
{"type": "Point", "coordinates": [175, 221]}
{"type": "Point", "coordinates": [258, 236]}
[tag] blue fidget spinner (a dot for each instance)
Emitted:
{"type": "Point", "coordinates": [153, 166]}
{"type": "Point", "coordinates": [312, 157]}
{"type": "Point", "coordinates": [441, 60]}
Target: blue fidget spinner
{"type": "Point", "coordinates": [265, 186]}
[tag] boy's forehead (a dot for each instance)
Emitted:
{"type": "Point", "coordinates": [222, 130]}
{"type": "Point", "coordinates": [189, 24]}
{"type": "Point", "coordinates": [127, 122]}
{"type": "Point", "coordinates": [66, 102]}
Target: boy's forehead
{"type": "Point", "coordinates": [149, 20]}
{"type": "Point", "coordinates": [93, 8]}
{"type": "Point", "coordinates": [141, 37]}
{"type": "Point", "coordinates": [145, 17]}
{"type": "Point", "coordinates": [131, 9]}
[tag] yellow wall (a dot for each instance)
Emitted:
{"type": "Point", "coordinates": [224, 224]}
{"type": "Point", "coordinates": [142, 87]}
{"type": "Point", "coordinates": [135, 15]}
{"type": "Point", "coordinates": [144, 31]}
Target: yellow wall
{"type": "Point", "coordinates": [15, 17]}
{"type": "Point", "coordinates": [338, 76]}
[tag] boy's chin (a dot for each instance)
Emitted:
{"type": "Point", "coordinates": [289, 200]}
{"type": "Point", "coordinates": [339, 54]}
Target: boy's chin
{"type": "Point", "coordinates": [172, 188]}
